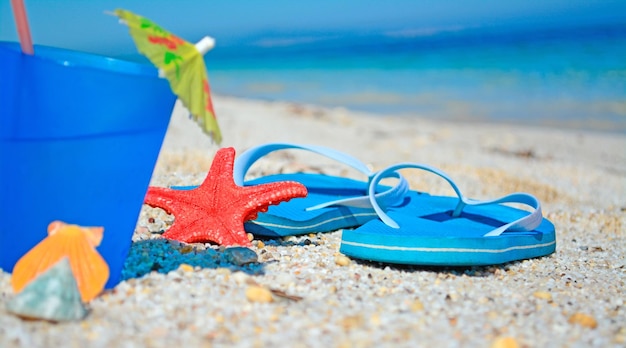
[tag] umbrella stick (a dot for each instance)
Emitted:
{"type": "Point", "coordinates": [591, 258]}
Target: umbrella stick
{"type": "Point", "coordinates": [23, 30]}
{"type": "Point", "coordinates": [203, 46]}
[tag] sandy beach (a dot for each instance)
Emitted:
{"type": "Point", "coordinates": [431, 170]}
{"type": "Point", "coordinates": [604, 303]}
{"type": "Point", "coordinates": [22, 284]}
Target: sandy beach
{"type": "Point", "coordinates": [572, 298]}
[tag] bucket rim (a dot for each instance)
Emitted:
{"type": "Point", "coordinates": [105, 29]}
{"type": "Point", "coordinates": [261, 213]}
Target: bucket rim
{"type": "Point", "coordinates": [80, 59]}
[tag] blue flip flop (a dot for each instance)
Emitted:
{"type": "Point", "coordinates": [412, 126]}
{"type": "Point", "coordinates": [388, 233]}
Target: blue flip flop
{"type": "Point", "coordinates": [450, 231]}
{"type": "Point", "coordinates": [332, 202]}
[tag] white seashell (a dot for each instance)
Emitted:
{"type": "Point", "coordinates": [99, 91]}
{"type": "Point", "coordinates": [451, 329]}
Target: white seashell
{"type": "Point", "coordinates": [53, 296]}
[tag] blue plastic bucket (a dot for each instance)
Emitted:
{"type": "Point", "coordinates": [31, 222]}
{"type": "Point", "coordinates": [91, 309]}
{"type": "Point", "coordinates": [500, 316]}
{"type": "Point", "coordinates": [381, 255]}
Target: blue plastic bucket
{"type": "Point", "coordinates": [79, 137]}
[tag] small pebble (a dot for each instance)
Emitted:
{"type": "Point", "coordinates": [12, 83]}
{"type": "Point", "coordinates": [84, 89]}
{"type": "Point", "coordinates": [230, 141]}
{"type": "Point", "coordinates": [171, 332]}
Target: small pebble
{"type": "Point", "coordinates": [342, 260]}
{"type": "Point", "coordinates": [223, 271]}
{"type": "Point", "coordinates": [505, 342]}
{"type": "Point", "coordinates": [544, 295]}
{"type": "Point", "coordinates": [351, 322]}
{"type": "Point", "coordinates": [185, 267]}
{"type": "Point", "coordinates": [417, 306]}
{"type": "Point", "coordinates": [583, 319]}
{"type": "Point", "coordinates": [255, 293]}
{"type": "Point", "coordinates": [240, 277]}
{"type": "Point", "coordinates": [186, 248]}
{"type": "Point", "coordinates": [240, 255]}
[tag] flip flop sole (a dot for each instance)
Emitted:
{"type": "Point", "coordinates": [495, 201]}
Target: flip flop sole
{"type": "Point", "coordinates": [430, 236]}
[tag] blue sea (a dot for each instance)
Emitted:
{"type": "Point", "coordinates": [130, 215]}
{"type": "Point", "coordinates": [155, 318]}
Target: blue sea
{"type": "Point", "coordinates": [569, 77]}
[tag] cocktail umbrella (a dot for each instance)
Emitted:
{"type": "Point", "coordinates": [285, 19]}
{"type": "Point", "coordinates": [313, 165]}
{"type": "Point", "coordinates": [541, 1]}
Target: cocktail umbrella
{"type": "Point", "coordinates": [181, 63]}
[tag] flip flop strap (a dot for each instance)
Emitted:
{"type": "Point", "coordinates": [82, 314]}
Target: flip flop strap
{"type": "Point", "coordinates": [389, 197]}
{"type": "Point", "coordinates": [526, 223]}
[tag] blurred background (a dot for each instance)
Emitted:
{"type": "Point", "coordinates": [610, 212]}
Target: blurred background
{"type": "Point", "coordinates": [551, 63]}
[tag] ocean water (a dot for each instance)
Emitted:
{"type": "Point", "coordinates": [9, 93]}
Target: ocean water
{"type": "Point", "coordinates": [560, 77]}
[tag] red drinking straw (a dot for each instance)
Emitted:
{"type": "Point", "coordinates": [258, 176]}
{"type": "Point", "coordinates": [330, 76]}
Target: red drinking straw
{"type": "Point", "coordinates": [23, 31]}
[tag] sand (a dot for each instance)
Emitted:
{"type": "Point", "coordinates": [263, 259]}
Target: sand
{"type": "Point", "coordinates": [574, 297]}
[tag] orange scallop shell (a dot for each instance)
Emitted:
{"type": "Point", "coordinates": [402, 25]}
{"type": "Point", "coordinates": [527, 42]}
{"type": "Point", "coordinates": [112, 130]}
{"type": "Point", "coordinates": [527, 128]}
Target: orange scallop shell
{"type": "Point", "coordinates": [65, 240]}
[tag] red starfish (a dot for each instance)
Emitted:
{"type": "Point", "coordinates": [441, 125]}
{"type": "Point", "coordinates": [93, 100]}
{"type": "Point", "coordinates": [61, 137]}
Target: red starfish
{"type": "Point", "coordinates": [216, 210]}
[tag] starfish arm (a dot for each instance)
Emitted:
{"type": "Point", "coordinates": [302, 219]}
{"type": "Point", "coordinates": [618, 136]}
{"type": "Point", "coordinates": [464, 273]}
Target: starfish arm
{"type": "Point", "coordinates": [260, 197]}
{"type": "Point", "coordinates": [162, 197]}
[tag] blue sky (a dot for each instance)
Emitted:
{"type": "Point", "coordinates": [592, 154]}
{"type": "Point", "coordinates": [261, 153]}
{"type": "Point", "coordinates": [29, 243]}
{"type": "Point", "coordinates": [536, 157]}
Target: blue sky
{"type": "Point", "coordinates": [82, 24]}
